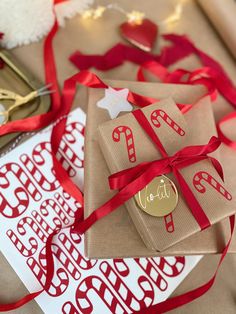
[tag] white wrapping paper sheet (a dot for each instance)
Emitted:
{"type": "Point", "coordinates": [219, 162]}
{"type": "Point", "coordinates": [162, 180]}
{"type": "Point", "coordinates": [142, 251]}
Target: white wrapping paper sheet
{"type": "Point", "coordinates": [32, 204]}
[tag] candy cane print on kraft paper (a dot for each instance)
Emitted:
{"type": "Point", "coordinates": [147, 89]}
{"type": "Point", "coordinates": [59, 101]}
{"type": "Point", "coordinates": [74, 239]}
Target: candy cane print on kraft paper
{"type": "Point", "coordinates": [202, 177]}
{"type": "Point", "coordinates": [169, 222]}
{"type": "Point", "coordinates": [167, 119]}
{"type": "Point", "coordinates": [128, 138]}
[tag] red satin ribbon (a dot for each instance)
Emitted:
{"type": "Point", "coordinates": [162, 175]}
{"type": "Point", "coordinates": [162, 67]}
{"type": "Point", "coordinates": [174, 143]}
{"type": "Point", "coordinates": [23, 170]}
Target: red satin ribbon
{"type": "Point", "coordinates": [225, 139]}
{"type": "Point", "coordinates": [120, 53]}
{"type": "Point", "coordinates": [111, 59]}
{"type": "Point", "coordinates": [179, 76]}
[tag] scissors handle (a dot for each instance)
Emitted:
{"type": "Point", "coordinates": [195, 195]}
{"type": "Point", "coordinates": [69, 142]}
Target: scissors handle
{"type": "Point", "coordinates": [20, 100]}
{"type": "Point", "coordinates": [4, 117]}
{"type": "Point", "coordinates": [7, 94]}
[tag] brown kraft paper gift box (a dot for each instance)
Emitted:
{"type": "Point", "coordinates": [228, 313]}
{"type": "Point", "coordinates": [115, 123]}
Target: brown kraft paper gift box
{"type": "Point", "coordinates": [170, 126]}
{"type": "Point", "coordinates": [115, 235]}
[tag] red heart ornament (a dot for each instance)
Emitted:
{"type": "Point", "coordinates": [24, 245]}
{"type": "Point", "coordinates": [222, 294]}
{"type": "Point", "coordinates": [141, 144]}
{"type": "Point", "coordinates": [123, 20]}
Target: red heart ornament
{"type": "Point", "coordinates": [141, 35]}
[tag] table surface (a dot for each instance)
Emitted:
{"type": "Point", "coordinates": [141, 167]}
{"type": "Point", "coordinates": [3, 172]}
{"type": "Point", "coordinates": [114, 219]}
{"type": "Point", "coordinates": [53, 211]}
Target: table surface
{"type": "Point", "coordinates": [96, 37]}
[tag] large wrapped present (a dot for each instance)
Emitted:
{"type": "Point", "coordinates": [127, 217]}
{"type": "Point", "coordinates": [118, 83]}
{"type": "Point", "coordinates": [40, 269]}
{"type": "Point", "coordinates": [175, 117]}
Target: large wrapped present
{"type": "Point", "coordinates": [116, 235]}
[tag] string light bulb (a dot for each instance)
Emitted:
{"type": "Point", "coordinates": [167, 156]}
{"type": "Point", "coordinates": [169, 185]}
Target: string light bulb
{"type": "Point", "coordinates": [176, 15]}
{"type": "Point", "coordinates": [87, 14]}
{"type": "Point", "coordinates": [98, 12]}
{"type": "Point", "coordinates": [135, 17]}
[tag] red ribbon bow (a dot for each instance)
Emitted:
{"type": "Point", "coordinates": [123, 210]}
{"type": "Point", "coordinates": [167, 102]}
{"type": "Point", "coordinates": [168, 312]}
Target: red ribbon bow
{"type": "Point", "coordinates": [134, 179]}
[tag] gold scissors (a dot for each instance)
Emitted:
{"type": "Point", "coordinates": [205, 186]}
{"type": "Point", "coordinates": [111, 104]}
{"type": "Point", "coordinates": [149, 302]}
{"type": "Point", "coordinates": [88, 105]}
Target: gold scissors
{"type": "Point", "coordinates": [18, 101]}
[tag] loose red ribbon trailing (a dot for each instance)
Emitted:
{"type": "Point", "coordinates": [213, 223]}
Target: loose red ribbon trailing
{"type": "Point", "coordinates": [61, 105]}
{"type": "Point", "coordinates": [225, 139]}
{"type": "Point", "coordinates": [179, 76]}
{"type": "Point", "coordinates": [181, 47]}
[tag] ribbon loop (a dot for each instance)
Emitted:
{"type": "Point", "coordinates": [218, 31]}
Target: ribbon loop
{"type": "Point", "coordinates": [182, 158]}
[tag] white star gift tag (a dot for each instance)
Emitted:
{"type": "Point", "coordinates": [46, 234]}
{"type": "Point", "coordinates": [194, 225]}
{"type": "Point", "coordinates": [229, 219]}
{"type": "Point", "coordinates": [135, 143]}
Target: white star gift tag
{"type": "Point", "coordinates": [115, 101]}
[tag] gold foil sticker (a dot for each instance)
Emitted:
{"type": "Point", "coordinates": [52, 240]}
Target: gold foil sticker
{"type": "Point", "coordinates": [159, 198]}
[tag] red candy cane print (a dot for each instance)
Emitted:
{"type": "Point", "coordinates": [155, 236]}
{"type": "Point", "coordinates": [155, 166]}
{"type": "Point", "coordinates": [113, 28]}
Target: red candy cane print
{"type": "Point", "coordinates": [33, 244]}
{"type": "Point", "coordinates": [18, 202]}
{"type": "Point", "coordinates": [56, 222]}
{"type": "Point", "coordinates": [70, 156]}
{"type": "Point", "coordinates": [28, 221]}
{"type": "Point", "coordinates": [64, 160]}
{"type": "Point", "coordinates": [69, 308]}
{"type": "Point", "coordinates": [156, 114]}
{"type": "Point", "coordinates": [20, 246]}
{"type": "Point", "coordinates": [72, 131]}
{"type": "Point", "coordinates": [36, 173]}
{"type": "Point", "coordinates": [121, 267]}
{"type": "Point", "coordinates": [70, 199]}
{"type": "Point", "coordinates": [123, 270]}
{"type": "Point", "coordinates": [129, 139]}
{"type": "Point", "coordinates": [78, 258]}
{"type": "Point", "coordinates": [42, 153]}
{"type": "Point", "coordinates": [9, 210]}
{"type": "Point", "coordinates": [50, 205]}
{"type": "Point", "coordinates": [72, 135]}
{"type": "Point", "coordinates": [76, 238]}
{"type": "Point", "coordinates": [66, 195]}
{"type": "Point", "coordinates": [203, 176]}
{"type": "Point", "coordinates": [44, 225]}
{"type": "Point", "coordinates": [170, 266]}
{"type": "Point", "coordinates": [59, 283]}
{"type": "Point", "coordinates": [128, 297]}
{"type": "Point", "coordinates": [62, 258]}
{"type": "Point", "coordinates": [64, 205]}
{"type": "Point", "coordinates": [169, 223]}
{"type": "Point", "coordinates": [146, 265]}
{"type": "Point", "coordinates": [96, 284]}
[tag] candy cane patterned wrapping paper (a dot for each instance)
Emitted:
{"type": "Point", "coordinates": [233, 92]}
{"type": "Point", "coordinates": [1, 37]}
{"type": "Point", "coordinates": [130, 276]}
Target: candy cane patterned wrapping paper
{"type": "Point", "coordinates": [38, 205]}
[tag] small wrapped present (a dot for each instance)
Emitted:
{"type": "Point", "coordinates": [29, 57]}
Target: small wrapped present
{"type": "Point", "coordinates": [176, 190]}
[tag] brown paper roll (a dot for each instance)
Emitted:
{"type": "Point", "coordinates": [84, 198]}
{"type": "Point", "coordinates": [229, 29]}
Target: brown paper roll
{"type": "Point", "coordinates": [222, 14]}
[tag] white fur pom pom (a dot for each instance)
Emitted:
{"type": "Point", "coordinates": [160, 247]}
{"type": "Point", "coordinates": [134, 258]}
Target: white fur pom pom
{"type": "Point", "coordinates": [26, 21]}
